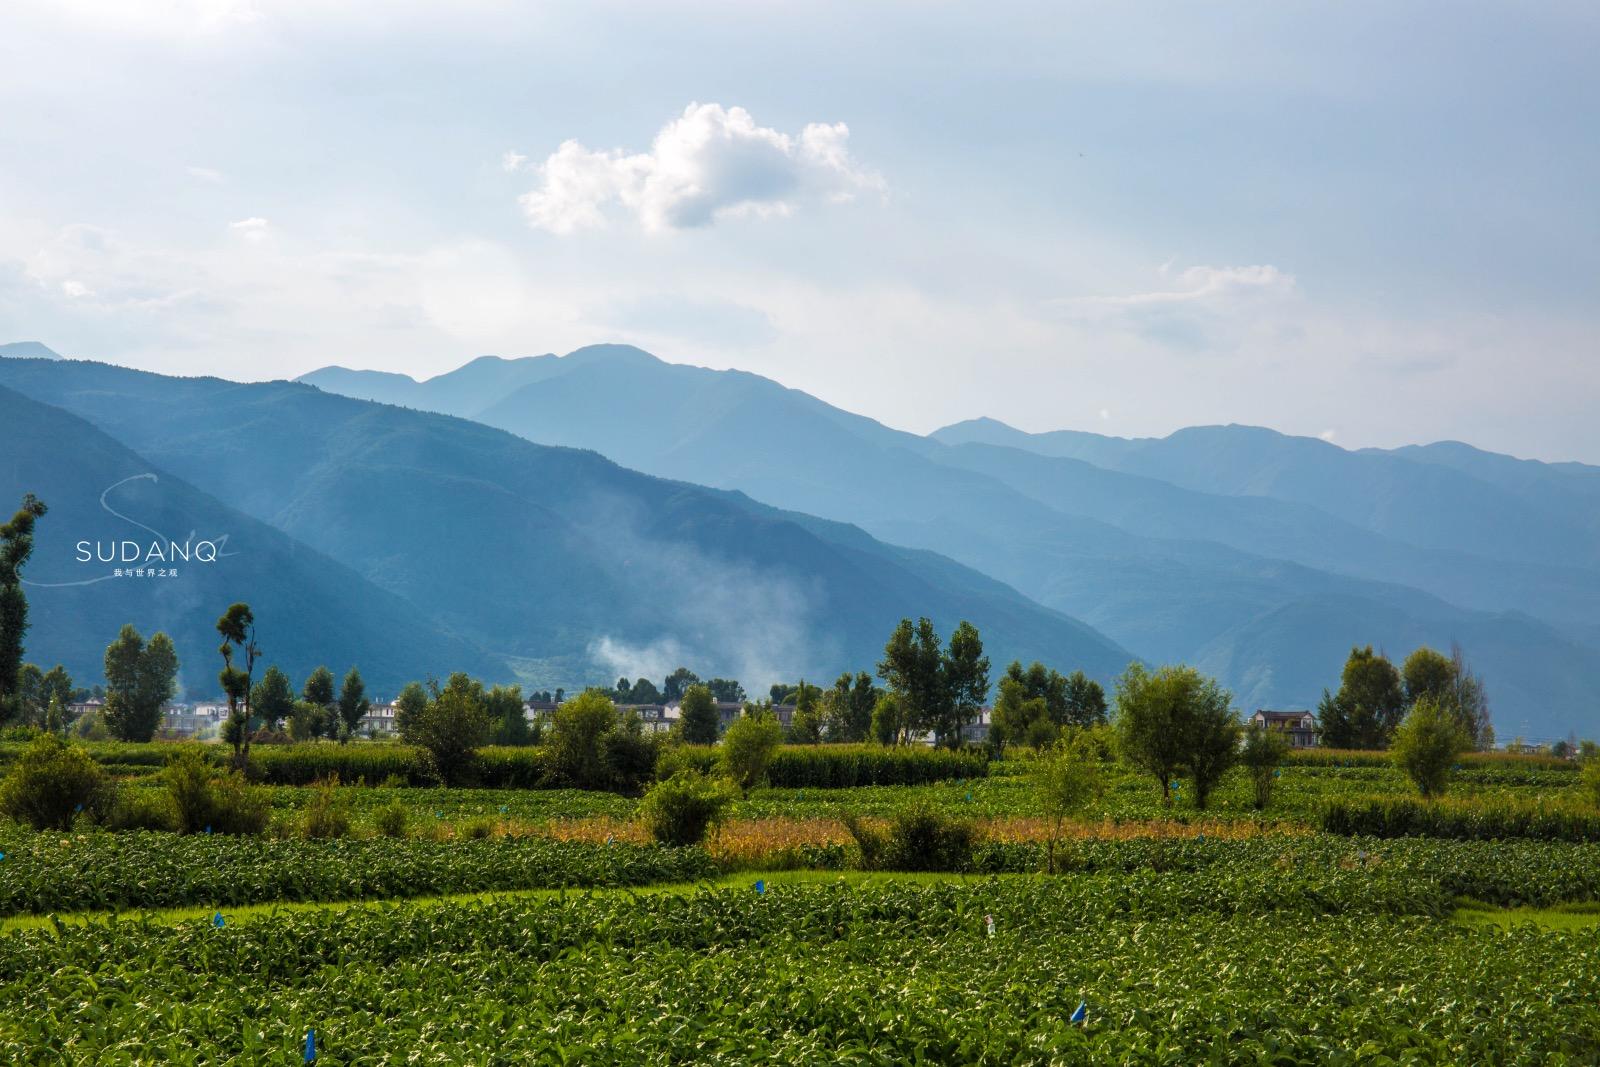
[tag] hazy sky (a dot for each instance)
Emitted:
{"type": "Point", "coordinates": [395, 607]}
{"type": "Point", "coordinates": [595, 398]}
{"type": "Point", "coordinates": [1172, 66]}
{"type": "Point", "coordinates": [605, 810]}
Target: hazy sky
{"type": "Point", "coordinates": [1375, 222]}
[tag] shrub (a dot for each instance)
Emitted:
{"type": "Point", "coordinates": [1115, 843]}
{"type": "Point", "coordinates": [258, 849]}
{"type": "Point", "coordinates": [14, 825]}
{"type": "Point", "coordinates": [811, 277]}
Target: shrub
{"type": "Point", "coordinates": [204, 800]}
{"type": "Point", "coordinates": [748, 747]}
{"type": "Point", "coordinates": [392, 819]}
{"type": "Point", "coordinates": [1590, 779]}
{"type": "Point", "coordinates": [1067, 778]}
{"type": "Point", "coordinates": [576, 731]}
{"type": "Point", "coordinates": [682, 809]}
{"type": "Point", "coordinates": [918, 838]}
{"type": "Point", "coordinates": [1427, 744]}
{"type": "Point", "coordinates": [1264, 749]}
{"type": "Point", "coordinates": [327, 815]}
{"type": "Point", "coordinates": [629, 759]}
{"type": "Point", "coordinates": [450, 728]}
{"type": "Point", "coordinates": [478, 829]}
{"type": "Point", "coordinates": [142, 809]}
{"type": "Point", "coordinates": [52, 782]}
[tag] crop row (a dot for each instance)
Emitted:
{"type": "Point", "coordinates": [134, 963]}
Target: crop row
{"type": "Point", "coordinates": [101, 871]}
{"type": "Point", "coordinates": [985, 972]}
{"type": "Point", "coordinates": [66, 872]}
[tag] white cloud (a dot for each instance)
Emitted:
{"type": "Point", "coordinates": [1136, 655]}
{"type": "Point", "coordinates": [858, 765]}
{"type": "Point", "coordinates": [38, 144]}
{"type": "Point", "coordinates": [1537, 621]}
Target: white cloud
{"type": "Point", "coordinates": [254, 229]}
{"type": "Point", "coordinates": [710, 163]}
{"type": "Point", "coordinates": [1196, 285]}
{"type": "Point", "coordinates": [205, 174]}
{"type": "Point", "coordinates": [511, 162]}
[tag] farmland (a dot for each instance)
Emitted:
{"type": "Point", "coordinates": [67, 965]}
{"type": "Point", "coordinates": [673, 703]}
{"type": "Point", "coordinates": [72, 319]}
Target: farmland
{"type": "Point", "coordinates": [512, 924]}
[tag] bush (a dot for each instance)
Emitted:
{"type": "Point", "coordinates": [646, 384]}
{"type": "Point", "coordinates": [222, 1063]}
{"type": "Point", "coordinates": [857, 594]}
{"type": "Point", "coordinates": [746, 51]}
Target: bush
{"type": "Point", "coordinates": [206, 801]}
{"type": "Point", "coordinates": [52, 783]}
{"type": "Point", "coordinates": [748, 747]}
{"type": "Point", "coordinates": [629, 759]}
{"type": "Point", "coordinates": [1427, 745]}
{"type": "Point", "coordinates": [682, 809]}
{"type": "Point", "coordinates": [327, 815]}
{"type": "Point", "coordinates": [478, 829]}
{"type": "Point", "coordinates": [308, 763]}
{"type": "Point", "coordinates": [1264, 749]}
{"type": "Point", "coordinates": [1590, 780]}
{"type": "Point", "coordinates": [142, 809]}
{"type": "Point", "coordinates": [392, 819]}
{"type": "Point", "coordinates": [918, 838]}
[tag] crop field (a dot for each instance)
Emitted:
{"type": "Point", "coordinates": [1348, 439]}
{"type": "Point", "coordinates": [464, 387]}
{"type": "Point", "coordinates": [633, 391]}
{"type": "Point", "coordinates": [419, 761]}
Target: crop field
{"type": "Point", "coordinates": [526, 924]}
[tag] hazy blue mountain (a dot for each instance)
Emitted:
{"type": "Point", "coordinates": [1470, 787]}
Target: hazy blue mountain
{"type": "Point", "coordinates": [1171, 571]}
{"type": "Point", "coordinates": [27, 350]}
{"type": "Point", "coordinates": [1432, 505]}
{"type": "Point", "coordinates": [555, 558]}
{"type": "Point", "coordinates": [1286, 530]}
{"type": "Point", "coordinates": [311, 609]}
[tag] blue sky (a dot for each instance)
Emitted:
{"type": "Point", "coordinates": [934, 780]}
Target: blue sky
{"type": "Point", "coordinates": [1372, 222]}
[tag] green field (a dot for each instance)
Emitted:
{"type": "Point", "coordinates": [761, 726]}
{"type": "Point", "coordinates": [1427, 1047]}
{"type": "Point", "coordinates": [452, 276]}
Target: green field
{"type": "Point", "coordinates": [513, 925]}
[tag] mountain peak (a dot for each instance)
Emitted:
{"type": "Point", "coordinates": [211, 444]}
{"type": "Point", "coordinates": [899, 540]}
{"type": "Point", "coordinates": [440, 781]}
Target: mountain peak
{"type": "Point", "coordinates": [28, 350]}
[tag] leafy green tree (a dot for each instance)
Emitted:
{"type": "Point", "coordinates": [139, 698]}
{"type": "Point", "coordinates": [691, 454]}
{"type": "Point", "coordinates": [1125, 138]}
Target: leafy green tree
{"type": "Point", "coordinates": [1212, 738]}
{"type": "Point", "coordinates": [1265, 749]}
{"type": "Point", "coordinates": [913, 668]}
{"type": "Point", "coordinates": [55, 716]}
{"type": "Point", "coordinates": [677, 683]}
{"type": "Point", "coordinates": [1086, 701]}
{"type": "Point", "coordinates": [966, 679]}
{"type": "Point", "coordinates": [56, 683]}
{"type": "Point", "coordinates": [307, 721]}
{"type": "Point", "coordinates": [412, 702]}
{"type": "Point", "coordinates": [1368, 706]}
{"type": "Point", "coordinates": [805, 726]}
{"type": "Point", "coordinates": [726, 690]}
{"type": "Point", "coordinates": [509, 714]}
{"type": "Point", "coordinates": [140, 678]}
{"type": "Point", "coordinates": [318, 689]}
{"type": "Point", "coordinates": [29, 698]}
{"type": "Point", "coordinates": [237, 626]}
{"type": "Point", "coordinates": [1172, 719]}
{"type": "Point", "coordinates": [1427, 744]}
{"type": "Point", "coordinates": [1019, 717]}
{"type": "Point", "coordinates": [888, 725]}
{"type": "Point", "coordinates": [847, 707]}
{"type": "Point", "coordinates": [1066, 778]}
{"type": "Point", "coordinates": [698, 720]}
{"type": "Point", "coordinates": [643, 691]}
{"type": "Point", "coordinates": [1449, 682]}
{"type": "Point", "coordinates": [450, 729]}
{"type": "Point", "coordinates": [16, 545]}
{"type": "Point", "coordinates": [272, 698]}
{"type": "Point", "coordinates": [353, 703]}
{"type": "Point", "coordinates": [748, 747]}
{"type": "Point", "coordinates": [576, 734]}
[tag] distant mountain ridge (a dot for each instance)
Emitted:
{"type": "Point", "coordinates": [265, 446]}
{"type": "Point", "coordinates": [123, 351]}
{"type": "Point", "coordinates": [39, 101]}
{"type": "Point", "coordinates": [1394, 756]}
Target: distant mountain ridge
{"type": "Point", "coordinates": [1188, 547]}
{"type": "Point", "coordinates": [555, 561]}
{"type": "Point", "coordinates": [27, 350]}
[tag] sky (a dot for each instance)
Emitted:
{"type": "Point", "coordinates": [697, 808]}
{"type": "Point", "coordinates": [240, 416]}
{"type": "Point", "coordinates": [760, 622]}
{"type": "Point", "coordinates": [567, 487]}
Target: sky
{"type": "Point", "coordinates": [1375, 223]}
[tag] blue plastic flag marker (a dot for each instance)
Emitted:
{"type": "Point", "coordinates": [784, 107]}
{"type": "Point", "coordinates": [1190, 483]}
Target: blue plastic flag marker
{"type": "Point", "coordinates": [761, 885]}
{"type": "Point", "coordinates": [2, 855]}
{"type": "Point", "coordinates": [77, 807]}
{"type": "Point", "coordinates": [504, 809]}
{"type": "Point", "coordinates": [1278, 773]}
{"type": "Point", "coordinates": [208, 828]}
{"type": "Point", "coordinates": [1200, 837]}
{"type": "Point", "coordinates": [969, 798]}
{"type": "Point", "coordinates": [610, 839]}
{"type": "Point", "coordinates": [311, 1046]}
{"type": "Point", "coordinates": [438, 815]}
{"type": "Point", "coordinates": [218, 921]}
{"type": "Point", "coordinates": [1082, 1014]}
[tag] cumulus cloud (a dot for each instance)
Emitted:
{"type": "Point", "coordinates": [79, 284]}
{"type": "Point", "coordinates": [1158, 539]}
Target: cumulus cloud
{"type": "Point", "coordinates": [253, 229]}
{"type": "Point", "coordinates": [708, 164]}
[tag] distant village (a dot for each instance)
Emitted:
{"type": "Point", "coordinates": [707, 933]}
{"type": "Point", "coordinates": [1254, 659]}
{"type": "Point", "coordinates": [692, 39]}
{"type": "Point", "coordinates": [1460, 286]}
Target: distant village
{"type": "Point", "coordinates": [203, 720]}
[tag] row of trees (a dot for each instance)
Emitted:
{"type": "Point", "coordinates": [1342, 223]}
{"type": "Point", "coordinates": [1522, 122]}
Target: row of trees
{"type": "Point", "coordinates": [16, 545]}
{"type": "Point", "coordinates": [1374, 696]}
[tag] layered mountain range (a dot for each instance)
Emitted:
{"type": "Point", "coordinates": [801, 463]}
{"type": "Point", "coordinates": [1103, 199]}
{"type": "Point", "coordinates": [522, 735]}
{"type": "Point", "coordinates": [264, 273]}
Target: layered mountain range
{"type": "Point", "coordinates": [414, 544]}
{"type": "Point", "coordinates": [1258, 556]}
